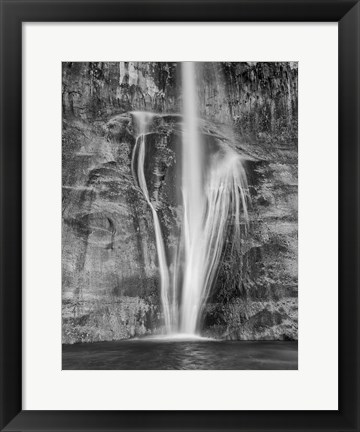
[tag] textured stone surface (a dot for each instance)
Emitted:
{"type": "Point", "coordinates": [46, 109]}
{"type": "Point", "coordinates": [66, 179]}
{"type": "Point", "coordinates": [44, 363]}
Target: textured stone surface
{"type": "Point", "coordinates": [110, 275]}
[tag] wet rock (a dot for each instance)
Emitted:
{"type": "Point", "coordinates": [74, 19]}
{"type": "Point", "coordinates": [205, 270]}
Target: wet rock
{"type": "Point", "coordinates": [109, 260]}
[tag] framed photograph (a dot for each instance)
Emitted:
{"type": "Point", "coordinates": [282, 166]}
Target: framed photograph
{"type": "Point", "coordinates": [179, 215]}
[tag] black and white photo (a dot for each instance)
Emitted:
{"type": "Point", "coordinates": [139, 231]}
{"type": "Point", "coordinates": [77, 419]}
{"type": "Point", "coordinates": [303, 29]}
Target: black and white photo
{"type": "Point", "coordinates": [179, 215]}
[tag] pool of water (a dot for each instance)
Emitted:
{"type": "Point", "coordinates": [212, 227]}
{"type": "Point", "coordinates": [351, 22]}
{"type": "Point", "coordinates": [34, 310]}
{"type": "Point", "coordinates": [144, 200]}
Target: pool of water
{"type": "Point", "coordinates": [157, 353]}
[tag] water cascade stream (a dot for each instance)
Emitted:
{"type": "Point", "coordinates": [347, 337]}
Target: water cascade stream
{"type": "Point", "coordinates": [143, 120]}
{"type": "Point", "coordinates": [214, 201]}
{"type": "Point", "coordinates": [214, 193]}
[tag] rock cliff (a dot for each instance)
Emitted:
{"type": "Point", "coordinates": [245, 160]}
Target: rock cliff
{"type": "Point", "coordinates": [110, 270]}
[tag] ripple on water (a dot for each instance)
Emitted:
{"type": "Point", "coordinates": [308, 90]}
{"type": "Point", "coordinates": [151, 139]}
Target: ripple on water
{"type": "Point", "coordinates": [180, 337]}
{"type": "Point", "coordinates": [180, 352]}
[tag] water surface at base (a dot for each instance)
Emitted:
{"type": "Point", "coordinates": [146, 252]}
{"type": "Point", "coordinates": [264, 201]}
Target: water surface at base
{"type": "Point", "coordinates": [149, 354]}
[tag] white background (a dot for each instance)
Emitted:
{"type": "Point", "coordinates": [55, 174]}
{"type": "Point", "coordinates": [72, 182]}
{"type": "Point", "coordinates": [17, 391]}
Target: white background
{"type": "Point", "coordinates": [314, 385]}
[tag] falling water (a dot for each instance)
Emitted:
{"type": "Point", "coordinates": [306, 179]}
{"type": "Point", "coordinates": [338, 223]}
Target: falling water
{"type": "Point", "coordinates": [193, 201]}
{"type": "Point", "coordinates": [143, 120]}
{"type": "Point", "coordinates": [214, 194]}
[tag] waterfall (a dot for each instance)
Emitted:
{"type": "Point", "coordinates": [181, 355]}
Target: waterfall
{"type": "Point", "coordinates": [193, 202]}
{"type": "Point", "coordinates": [214, 195]}
{"type": "Point", "coordinates": [214, 200]}
{"type": "Point", "coordinates": [143, 120]}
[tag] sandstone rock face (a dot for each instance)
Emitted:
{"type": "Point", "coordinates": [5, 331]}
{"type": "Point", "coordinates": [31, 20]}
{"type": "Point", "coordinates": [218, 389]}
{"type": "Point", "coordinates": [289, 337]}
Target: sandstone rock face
{"type": "Point", "coordinates": [110, 267]}
{"type": "Point", "coordinates": [101, 90]}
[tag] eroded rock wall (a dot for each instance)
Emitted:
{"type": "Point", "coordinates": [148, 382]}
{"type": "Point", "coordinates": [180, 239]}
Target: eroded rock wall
{"type": "Point", "coordinates": [110, 273]}
{"type": "Point", "coordinates": [98, 90]}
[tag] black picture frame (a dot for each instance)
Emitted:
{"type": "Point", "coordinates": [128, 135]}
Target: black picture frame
{"type": "Point", "coordinates": [16, 12]}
